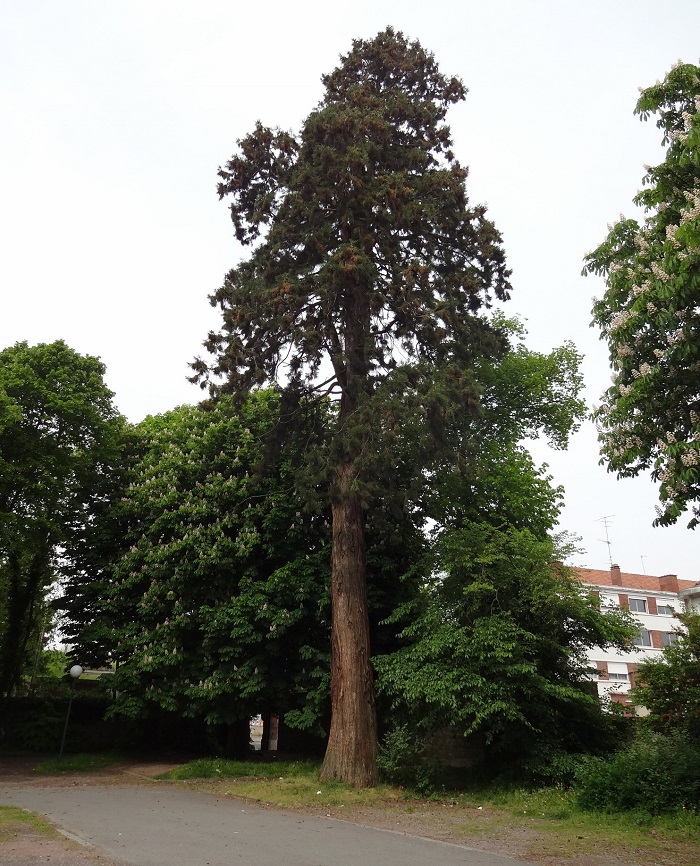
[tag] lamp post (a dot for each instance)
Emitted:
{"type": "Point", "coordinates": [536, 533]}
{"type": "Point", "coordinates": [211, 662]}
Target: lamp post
{"type": "Point", "coordinates": [75, 672]}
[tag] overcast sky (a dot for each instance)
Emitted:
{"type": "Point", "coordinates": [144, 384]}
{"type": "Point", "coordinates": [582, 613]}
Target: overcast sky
{"type": "Point", "coordinates": [116, 116]}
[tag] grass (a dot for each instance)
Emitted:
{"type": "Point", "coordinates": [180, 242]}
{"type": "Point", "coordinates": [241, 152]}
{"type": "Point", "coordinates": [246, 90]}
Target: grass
{"type": "Point", "coordinates": [556, 806]}
{"type": "Point", "coordinates": [559, 829]}
{"type": "Point", "coordinates": [219, 768]}
{"type": "Point", "coordinates": [79, 763]}
{"type": "Point", "coordinates": [11, 817]}
{"type": "Point", "coordinates": [289, 784]}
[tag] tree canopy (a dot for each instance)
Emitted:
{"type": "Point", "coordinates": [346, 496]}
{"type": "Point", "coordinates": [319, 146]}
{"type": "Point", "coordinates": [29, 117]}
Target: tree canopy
{"type": "Point", "coordinates": [364, 213]}
{"type": "Point", "coordinates": [650, 312]}
{"type": "Point", "coordinates": [367, 273]}
{"type": "Point", "coordinates": [205, 579]}
{"type": "Point", "coordinates": [496, 638]}
{"type": "Point", "coordinates": [214, 603]}
{"type": "Point", "coordinates": [59, 434]}
{"type": "Point", "coordinates": [669, 687]}
{"type": "Point", "coordinates": [497, 646]}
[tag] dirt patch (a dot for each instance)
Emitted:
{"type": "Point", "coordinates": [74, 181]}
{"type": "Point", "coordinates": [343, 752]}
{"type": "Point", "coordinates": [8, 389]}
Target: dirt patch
{"type": "Point", "coordinates": [20, 770]}
{"type": "Point", "coordinates": [533, 840]}
{"type": "Point", "coordinates": [492, 831]}
{"type": "Point", "coordinates": [23, 846]}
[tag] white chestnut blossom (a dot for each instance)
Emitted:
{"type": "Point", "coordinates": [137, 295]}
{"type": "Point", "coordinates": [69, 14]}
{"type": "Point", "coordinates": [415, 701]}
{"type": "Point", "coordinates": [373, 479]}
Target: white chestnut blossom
{"type": "Point", "coordinates": [690, 458]}
{"type": "Point", "coordinates": [622, 319]}
{"type": "Point", "coordinates": [656, 341]}
{"type": "Point", "coordinates": [659, 272]}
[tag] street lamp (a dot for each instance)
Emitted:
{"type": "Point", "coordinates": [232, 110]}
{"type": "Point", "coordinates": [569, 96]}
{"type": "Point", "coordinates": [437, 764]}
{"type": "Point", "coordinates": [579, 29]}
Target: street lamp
{"type": "Point", "coordinates": [75, 672]}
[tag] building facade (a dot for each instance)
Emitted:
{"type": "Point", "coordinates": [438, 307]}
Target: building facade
{"type": "Point", "coordinates": [653, 601]}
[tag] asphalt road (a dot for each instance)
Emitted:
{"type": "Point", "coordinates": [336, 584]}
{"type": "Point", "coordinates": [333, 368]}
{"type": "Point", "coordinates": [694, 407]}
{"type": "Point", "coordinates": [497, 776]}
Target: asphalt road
{"type": "Point", "coordinates": [161, 825]}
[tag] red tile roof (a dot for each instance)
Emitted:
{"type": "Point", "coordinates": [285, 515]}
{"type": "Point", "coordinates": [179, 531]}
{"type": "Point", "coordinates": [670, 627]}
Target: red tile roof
{"type": "Point", "coordinates": [632, 581]}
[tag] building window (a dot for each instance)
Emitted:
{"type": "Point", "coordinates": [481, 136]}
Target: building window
{"type": "Point", "coordinates": [668, 638]}
{"type": "Point", "coordinates": [643, 638]}
{"type": "Point", "coordinates": [638, 605]}
{"type": "Point", "coordinates": [664, 610]}
{"type": "Point", "coordinates": [614, 676]}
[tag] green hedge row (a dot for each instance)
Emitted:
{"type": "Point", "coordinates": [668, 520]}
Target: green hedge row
{"type": "Point", "coordinates": [36, 725]}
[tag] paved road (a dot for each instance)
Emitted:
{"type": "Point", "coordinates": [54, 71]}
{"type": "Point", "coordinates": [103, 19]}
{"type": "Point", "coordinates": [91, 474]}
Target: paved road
{"type": "Point", "coordinates": [162, 825]}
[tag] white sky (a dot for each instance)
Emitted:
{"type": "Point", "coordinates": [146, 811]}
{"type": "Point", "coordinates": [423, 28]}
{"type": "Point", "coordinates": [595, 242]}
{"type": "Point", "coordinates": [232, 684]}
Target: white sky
{"type": "Point", "coordinates": [116, 116]}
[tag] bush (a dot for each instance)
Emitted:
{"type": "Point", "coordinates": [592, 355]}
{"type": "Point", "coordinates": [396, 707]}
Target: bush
{"type": "Point", "coordinates": [403, 761]}
{"type": "Point", "coordinates": [655, 774]}
{"type": "Point", "coordinates": [545, 769]}
{"type": "Point", "coordinates": [32, 725]}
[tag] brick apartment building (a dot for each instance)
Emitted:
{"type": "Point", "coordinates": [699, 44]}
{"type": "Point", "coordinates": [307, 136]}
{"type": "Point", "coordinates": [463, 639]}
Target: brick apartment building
{"type": "Point", "coordinates": [653, 601]}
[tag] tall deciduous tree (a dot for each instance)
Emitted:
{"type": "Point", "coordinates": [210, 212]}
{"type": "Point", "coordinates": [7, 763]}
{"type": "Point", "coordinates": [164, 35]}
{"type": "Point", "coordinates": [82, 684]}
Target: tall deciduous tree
{"type": "Point", "coordinates": [496, 639]}
{"type": "Point", "coordinates": [497, 647]}
{"type": "Point", "coordinates": [213, 597]}
{"type": "Point", "coordinates": [367, 272]}
{"type": "Point", "coordinates": [59, 432]}
{"type": "Point", "coordinates": [650, 312]}
{"type": "Point", "coordinates": [490, 476]}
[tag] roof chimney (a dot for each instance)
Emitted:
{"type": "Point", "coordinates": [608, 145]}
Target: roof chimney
{"type": "Point", "coordinates": [668, 583]}
{"type": "Point", "coordinates": [615, 575]}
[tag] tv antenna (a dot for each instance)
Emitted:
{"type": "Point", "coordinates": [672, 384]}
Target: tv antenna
{"type": "Point", "coordinates": [605, 521]}
{"type": "Point", "coordinates": [643, 556]}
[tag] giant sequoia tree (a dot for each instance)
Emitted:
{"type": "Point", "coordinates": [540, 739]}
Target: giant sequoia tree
{"type": "Point", "coordinates": [367, 272]}
{"type": "Point", "coordinates": [649, 315]}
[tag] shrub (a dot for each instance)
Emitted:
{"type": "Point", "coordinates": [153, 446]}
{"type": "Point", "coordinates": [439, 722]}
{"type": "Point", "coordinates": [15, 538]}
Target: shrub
{"type": "Point", "coordinates": [654, 774]}
{"type": "Point", "coordinates": [403, 761]}
{"type": "Point", "coordinates": [32, 725]}
{"type": "Point", "coordinates": [546, 769]}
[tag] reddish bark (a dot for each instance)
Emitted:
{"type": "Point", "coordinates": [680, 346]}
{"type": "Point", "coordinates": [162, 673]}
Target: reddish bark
{"type": "Point", "coordinates": [351, 754]}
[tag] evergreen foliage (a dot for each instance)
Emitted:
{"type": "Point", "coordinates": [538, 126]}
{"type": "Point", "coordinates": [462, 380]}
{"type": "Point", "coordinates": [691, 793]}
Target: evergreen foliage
{"type": "Point", "coordinates": [367, 273]}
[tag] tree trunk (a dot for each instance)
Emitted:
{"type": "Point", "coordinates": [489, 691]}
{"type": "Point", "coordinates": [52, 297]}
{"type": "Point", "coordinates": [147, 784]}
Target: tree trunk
{"type": "Point", "coordinates": [238, 739]}
{"type": "Point", "coordinates": [351, 755]}
{"type": "Point", "coordinates": [25, 583]}
{"type": "Point", "coordinates": [265, 739]}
